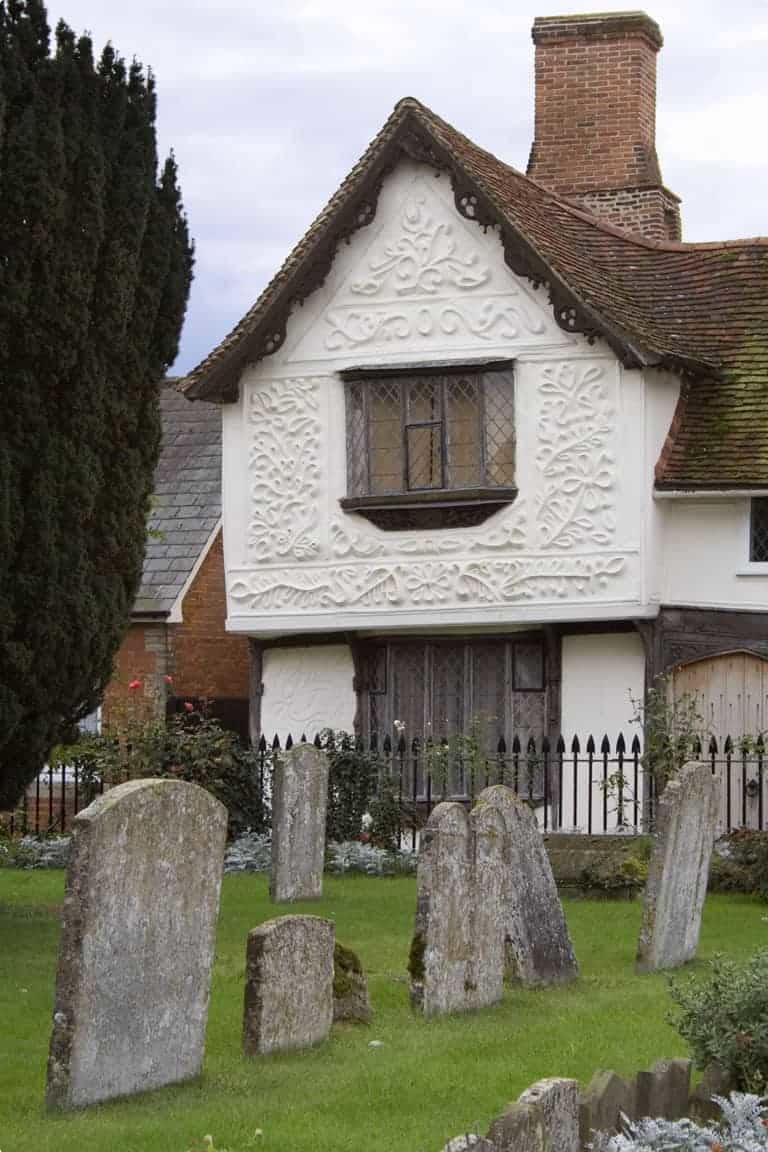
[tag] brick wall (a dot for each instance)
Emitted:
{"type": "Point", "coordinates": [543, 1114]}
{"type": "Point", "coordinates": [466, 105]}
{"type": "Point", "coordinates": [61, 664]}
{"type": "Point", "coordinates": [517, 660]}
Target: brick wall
{"type": "Point", "coordinates": [203, 660]}
{"type": "Point", "coordinates": [595, 121]}
{"type": "Point", "coordinates": [207, 661]}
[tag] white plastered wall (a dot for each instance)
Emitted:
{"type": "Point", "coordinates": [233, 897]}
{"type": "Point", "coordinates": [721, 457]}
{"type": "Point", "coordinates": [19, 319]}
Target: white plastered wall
{"type": "Point", "coordinates": [602, 674]}
{"type": "Point", "coordinates": [306, 690]}
{"type": "Point", "coordinates": [706, 555]}
{"type": "Point", "coordinates": [571, 544]}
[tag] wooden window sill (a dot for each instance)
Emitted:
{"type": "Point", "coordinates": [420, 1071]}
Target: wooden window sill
{"type": "Point", "coordinates": [432, 508]}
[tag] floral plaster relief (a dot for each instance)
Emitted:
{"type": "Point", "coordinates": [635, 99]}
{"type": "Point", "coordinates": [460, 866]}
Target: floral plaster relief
{"type": "Point", "coordinates": [428, 282]}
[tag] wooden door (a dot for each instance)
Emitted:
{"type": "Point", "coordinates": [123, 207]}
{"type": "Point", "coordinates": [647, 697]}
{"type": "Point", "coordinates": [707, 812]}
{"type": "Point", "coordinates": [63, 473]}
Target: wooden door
{"type": "Point", "coordinates": [731, 694]}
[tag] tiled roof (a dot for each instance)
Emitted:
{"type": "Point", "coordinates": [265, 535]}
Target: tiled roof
{"type": "Point", "coordinates": [187, 498]}
{"type": "Point", "coordinates": [701, 309]}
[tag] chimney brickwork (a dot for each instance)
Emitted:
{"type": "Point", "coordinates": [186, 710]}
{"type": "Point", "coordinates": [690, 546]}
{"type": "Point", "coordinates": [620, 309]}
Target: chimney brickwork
{"type": "Point", "coordinates": [595, 126]}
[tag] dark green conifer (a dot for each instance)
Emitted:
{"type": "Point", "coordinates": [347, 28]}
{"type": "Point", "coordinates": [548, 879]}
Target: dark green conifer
{"type": "Point", "coordinates": [95, 269]}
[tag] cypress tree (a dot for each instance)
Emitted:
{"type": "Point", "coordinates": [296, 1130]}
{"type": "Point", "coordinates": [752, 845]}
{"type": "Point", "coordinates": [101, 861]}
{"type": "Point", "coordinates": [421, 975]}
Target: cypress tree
{"type": "Point", "coordinates": [95, 269]}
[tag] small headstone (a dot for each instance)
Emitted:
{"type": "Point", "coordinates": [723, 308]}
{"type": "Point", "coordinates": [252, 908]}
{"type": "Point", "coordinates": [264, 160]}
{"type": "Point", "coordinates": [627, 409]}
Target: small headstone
{"type": "Point", "coordinates": [603, 1102]}
{"type": "Point", "coordinates": [288, 984]}
{"type": "Point", "coordinates": [538, 947]}
{"type": "Point", "coordinates": [715, 1081]}
{"type": "Point", "coordinates": [350, 987]}
{"type": "Point", "coordinates": [442, 942]}
{"type": "Point", "coordinates": [485, 982]}
{"type": "Point", "coordinates": [686, 825]}
{"type": "Point", "coordinates": [298, 824]}
{"type": "Point", "coordinates": [663, 1090]}
{"type": "Point", "coordinates": [520, 1128]}
{"type": "Point", "coordinates": [557, 1103]}
{"type": "Point", "coordinates": [137, 942]}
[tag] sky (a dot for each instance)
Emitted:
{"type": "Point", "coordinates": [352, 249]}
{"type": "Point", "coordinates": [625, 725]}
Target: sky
{"type": "Point", "coordinates": [267, 105]}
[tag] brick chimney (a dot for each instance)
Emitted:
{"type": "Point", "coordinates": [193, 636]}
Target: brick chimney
{"type": "Point", "coordinates": [595, 129]}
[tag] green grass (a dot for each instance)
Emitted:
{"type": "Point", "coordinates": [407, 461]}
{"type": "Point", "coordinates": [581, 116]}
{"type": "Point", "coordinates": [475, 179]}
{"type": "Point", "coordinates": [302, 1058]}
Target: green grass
{"type": "Point", "coordinates": [429, 1080]}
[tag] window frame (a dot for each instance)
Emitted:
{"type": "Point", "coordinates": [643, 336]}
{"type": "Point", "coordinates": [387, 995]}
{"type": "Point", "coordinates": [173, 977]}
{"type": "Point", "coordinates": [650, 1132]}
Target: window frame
{"type": "Point", "coordinates": [418, 505]}
{"type": "Point", "coordinates": [752, 559]}
{"type": "Point", "coordinates": [749, 566]}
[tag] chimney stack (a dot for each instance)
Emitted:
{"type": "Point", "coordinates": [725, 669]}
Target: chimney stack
{"type": "Point", "coordinates": [595, 130]}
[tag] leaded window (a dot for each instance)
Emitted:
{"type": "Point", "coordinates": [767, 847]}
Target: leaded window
{"type": "Point", "coordinates": [758, 530]}
{"type": "Point", "coordinates": [434, 436]}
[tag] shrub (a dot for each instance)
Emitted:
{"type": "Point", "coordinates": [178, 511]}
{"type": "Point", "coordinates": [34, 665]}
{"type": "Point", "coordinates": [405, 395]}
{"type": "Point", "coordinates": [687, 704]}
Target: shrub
{"type": "Point", "coordinates": [250, 852]}
{"type": "Point", "coordinates": [351, 776]}
{"type": "Point", "coordinates": [191, 747]}
{"type": "Point", "coordinates": [37, 852]}
{"type": "Point", "coordinates": [352, 856]}
{"type": "Point", "coordinates": [625, 876]}
{"type": "Point", "coordinates": [724, 1018]}
{"type": "Point", "coordinates": [740, 864]}
{"type": "Point", "coordinates": [742, 1129]}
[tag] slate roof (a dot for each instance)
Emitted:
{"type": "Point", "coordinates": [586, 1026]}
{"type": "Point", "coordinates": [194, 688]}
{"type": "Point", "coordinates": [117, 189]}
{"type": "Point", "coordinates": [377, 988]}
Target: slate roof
{"type": "Point", "coordinates": [701, 309]}
{"type": "Point", "coordinates": [187, 500]}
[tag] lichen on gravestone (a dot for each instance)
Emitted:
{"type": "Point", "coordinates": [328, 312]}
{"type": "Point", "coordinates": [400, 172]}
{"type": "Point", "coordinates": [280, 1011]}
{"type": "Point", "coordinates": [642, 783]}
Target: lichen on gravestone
{"type": "Point", "coordinates": [137, 942]}
{"type": "Point", "coordinates": [350, 987]}
{"type": "Point", "coordinates": [687, 816]}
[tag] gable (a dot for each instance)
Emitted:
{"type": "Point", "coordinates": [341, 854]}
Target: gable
{"type": "Point", "coordinates": [422, 281]}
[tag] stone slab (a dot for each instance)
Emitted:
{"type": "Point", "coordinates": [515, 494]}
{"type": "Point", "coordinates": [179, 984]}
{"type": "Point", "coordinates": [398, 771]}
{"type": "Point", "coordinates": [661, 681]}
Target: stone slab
{"type": "Point", "coordinates": [442, 943]}
{"type": "Point", "coordinates": [556, 1102]}
{"type": "Point", "coordinates": [137, 942]}
{"type": "Point", "coordinates": [520, 1128]}
{"type": "Point", "coordinates": [539, 949]}
{"type": "Point", "coordinates": [288, 984]}
{"type": "Point", "coordinates": [299, 803]}
{"type": "Point", "coordinates": [686, 826]}
{"type": "Point", "coordinates": [485, 981]}
{"type": "Point", "coordinates": [606, 1098]}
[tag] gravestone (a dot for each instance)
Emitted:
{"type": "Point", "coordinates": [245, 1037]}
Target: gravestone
{"type": "Point", "coordinates": [486, 971]}
{"type": "Point", "coordinates": [137, 942]}
{"type": "Point", "coordinates": [298, 824]}
{"type": "Point", "coordinates": [442, 941]}
{"type": "Point", "coordinates": [686, 825]}
{"type": "Point", "coordinates": [538, 947]}
{"type": "Point", "coordinates": [603, 1102]}
{"type": "Point", "coordinates": [556, 1104]}
{"type": "Point", "coordinates": [520, 1128]}
{"type": "Point", "coordinates": [288, 984]}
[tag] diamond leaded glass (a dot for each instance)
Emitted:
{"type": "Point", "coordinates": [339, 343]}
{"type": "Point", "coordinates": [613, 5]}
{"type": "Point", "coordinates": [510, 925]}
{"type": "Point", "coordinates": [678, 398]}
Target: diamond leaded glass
{"type": "Point", "coordinates": [758, 536]}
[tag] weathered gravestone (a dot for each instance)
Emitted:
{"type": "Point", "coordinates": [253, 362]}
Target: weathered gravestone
{"type": "Point", "coordinates": [686, 825]}
{"type": "Point", "coordinates": [544, 1119]}
{"type": "Point", "coordinates": [288, 984]}
{"type": "Point", "coordinates": [457, 953]}
{"type": "Point", "coordinates": [298, 824]}
{"type": "Point", "coordinates": [137, 942]}
{"type": "Point", "coordinates": [538, 947]}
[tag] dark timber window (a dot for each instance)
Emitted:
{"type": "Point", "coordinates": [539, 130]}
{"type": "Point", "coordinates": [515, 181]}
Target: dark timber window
{"type": "Point", "coordinates": [433, 440]}
{"type": "Point", "coordinates": [436, 688]}
{"type": "Point", "coordinates": [758, 530]}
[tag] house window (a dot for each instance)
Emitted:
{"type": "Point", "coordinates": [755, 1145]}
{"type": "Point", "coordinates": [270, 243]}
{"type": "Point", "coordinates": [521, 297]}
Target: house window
{"type": "Point", "coordinates": [430, 448]}
{"type": "Point", "coordinates": [489, 688]}
{"type": "Point", "coordinates": [758, 531]}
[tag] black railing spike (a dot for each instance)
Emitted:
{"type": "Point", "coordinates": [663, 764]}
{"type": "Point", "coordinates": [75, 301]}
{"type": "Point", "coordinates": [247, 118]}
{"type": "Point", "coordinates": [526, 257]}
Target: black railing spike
{"type": "Point", "coordinates": [317, 741]}
{"type": "Point", "coordinates": [575, 745]}
{"type": "Point", "coordinates": [591, 745]}
{"type": "Point", "coordinates": [728, 746]}
{"type": "Point", "coordinates": [530, 748]}
{"type": "Point", "coordinates": [387, 745]}
{"type": "Point", "coordinates": [303, 738]}
{"type": "Point", "coordinates": [760, 745]}
{"type": "Point", "coordinates": [415, 746]}
{"type": "Point", "coordinates": [262, 743]}
{"type": "Point", "coordinates": [560, 746]}
{"type": "Point", "coordinates": [621, 744]}
{"type": "Point", "coordinates": [545, 746]}
{"type": "Point", "coordinates": [712, 745]}
{"type": "Point", "coordinates": [401, 745]}
{"type": "Point", "coordinates": [276, 743]}
{"type": "Point", "coordinates": [289, 743]}
{"type": "Point", "coordinates": [605, 745]}
{"type": "Point", "coordinates": [501, 747]}
{"type": "Point", "coordinates": [516, 745]}
{"type": "Point", "coordinates": [636, 743]}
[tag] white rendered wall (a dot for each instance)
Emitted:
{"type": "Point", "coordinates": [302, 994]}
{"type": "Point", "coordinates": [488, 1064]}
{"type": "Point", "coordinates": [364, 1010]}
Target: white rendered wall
{"type": "Point", "coordinates": [569, 547]}
{"type": "Point", "coordinates": [306, 690]}
{"type": "Point", "coordinates": [601, 676]}
{"type": "Point", "coordinates": [706, 555]}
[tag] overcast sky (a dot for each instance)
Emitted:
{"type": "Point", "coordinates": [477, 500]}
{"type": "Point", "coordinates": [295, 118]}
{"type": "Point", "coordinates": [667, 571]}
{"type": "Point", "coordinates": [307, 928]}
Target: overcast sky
{"type": "Point", "coordinates": [268, 104]}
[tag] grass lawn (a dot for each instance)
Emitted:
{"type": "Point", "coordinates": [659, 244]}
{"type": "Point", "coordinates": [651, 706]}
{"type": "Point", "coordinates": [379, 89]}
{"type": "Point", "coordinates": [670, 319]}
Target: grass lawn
{"type": "Point", "coordinates": [429, 1080]}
